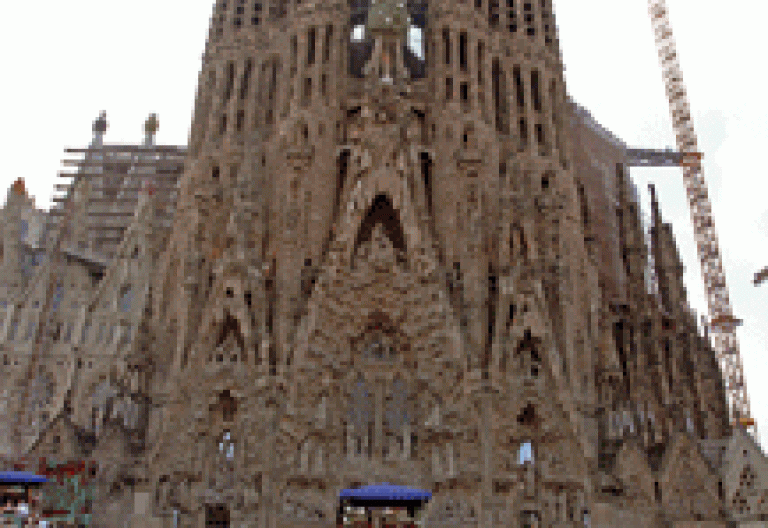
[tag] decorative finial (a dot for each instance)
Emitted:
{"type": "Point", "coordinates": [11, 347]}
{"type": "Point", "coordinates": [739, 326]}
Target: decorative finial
{"type": "Point", "coordinates": [99, 129]}
{"type": "Point", "coordinates": [19, 188]}
{"type": "Point", "coordinates": [150, 129]}
{"type": "Point", "coordinates": [151, 124]}
{"type": "Point", "coordinates": [100, 125]}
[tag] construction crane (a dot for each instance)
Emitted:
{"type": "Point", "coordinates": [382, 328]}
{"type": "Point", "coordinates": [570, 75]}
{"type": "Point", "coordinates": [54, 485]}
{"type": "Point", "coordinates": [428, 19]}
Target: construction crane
{"type": "Point", "coordinates": [722, 323]}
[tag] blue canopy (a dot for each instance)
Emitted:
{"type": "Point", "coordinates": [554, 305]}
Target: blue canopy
{"type": "Point", "coordinates": [385, 491]}
{"type": "Point", "coordinates": [21, 477]}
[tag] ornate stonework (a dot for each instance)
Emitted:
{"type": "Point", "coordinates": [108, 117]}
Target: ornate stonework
{"type": "Point", "coordinates": [382, 266]}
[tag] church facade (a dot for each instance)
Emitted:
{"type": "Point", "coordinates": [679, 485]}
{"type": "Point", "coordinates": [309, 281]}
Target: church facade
{"type": "Point", "coordinates": [394, 253]}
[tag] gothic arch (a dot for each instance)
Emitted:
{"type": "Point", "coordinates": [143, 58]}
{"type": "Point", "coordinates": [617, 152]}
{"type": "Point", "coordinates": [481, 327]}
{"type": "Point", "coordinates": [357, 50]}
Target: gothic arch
{"type": "Point", "coordinates": [382, 212]}
{"type": "Point", "coordinates": [230, 327]}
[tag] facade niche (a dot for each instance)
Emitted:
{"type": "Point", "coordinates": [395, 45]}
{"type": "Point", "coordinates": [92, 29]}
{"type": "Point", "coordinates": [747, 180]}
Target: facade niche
{"type": "Point", "coordinates": [528, 356]}
{"type": "Point", "coordinates": [227, 406]}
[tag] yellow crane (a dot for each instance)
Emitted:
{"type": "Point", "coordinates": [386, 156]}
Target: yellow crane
{"type": "Point", "coordinates": [722, 323]}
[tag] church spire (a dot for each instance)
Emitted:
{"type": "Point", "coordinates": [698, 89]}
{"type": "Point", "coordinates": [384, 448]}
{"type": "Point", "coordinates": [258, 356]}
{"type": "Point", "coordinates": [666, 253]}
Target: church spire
{"type": "Point", "coordinates": [99, 129]}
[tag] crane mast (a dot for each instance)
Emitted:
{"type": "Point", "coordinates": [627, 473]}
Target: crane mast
{"type": "Point", "coordinates": [722, 322]}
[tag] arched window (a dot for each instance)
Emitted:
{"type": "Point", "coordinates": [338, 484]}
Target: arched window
{"type": "Point", "coordinates": [361, 416]}
{"type": "Point", "coordinates": [126, 298]}
{"type": "Point", "coordinates": [227, 447]}
{"type": "Point", "coordinates": [525, 453]}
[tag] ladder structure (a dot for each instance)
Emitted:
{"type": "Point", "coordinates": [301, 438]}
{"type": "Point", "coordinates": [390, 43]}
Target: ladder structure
{"type": "Point", "coordinates": [722, 323]}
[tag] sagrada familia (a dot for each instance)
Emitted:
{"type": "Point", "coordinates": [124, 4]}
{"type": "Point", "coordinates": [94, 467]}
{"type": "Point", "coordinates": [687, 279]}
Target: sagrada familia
{"type": "Point", "coordinates": [379, 259]}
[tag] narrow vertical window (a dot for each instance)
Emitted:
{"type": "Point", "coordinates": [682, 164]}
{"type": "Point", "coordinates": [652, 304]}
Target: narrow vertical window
{"type": "Point", "coordinates": [448, 88]}
{"type": "Point", "coordinates": [499, 97]}
{"type": "Point", "coordinates": [463, 50]}
{"type": "Point", "coordinates": [528, 18]}
{"type": "Point", "coordinates": [307, 95]}
{"type": "Point", "coordinates": [545, 17]}
{"type": "Point", "coordinates": [230, 80]}
{"type": "Point", "coordinates": [536, 90]}
{"type": "Point", "coordinates": [271, 92]}
{"type": "Point", "coordinates": [493, 13]}
{"type": "Point", "coordinates": [512, 14]}
{"type": "Point", "coordinates": [523, 132]}
{"type": "Point", "coordinates": [311, 46]}
{"type": "Point", "coordinates": [540, 135]}
{"type": "Point", "coordinates": [480, 59]}
{"type": "Point", "coordinates": [294, 54]}
{"type": "Point", "coordinates": [520, 89]}
{"type": "Point", "coordinates": [244, 85]}
{"type": "Point", "coordinates": [328, 43]}
{"type": "Point", "coordinates": [447, 46]}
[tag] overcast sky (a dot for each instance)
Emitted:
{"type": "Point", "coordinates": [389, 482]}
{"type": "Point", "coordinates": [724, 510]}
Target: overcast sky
{"type": "Point", "coordinates": [63, 62]}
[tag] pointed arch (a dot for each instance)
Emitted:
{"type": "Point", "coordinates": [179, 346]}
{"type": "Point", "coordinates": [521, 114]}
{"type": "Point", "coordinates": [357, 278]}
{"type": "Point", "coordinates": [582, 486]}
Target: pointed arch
{"type": "Point", "coordinates": [230, 327]}
{"type": "Point", "coordinates": [382, 212]}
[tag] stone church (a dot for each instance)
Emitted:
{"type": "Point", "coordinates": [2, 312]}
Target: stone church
{"type": "Point", "coordinates": [394, 250]}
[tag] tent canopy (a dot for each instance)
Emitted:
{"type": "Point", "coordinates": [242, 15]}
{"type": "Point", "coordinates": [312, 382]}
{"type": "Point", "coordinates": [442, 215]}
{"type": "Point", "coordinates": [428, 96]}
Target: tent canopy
{"type": "Point", "coordinates": [21, 477]}
{"type": "Point", "coordinates": [385, 491]}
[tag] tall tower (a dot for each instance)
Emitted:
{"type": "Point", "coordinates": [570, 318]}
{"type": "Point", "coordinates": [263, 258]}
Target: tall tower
{"type": "Point", "coordinates": [378, 272]}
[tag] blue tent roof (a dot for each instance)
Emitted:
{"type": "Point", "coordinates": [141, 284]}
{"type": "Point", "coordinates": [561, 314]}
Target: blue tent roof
{"type": "Point", "coordinates": [21, 477]}
{"type": "Point", "coordinates": [385, 491]}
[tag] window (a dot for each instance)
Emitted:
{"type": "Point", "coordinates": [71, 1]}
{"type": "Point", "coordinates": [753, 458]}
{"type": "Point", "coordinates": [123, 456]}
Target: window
{"type": "Point", "coordinates": [493, 13]}
{"type": "Point", "coordinates": [519, 88]}
{"type": "Point", "coordinates": [525, 453]}
{"type": "Point", "coordinates": [307, 95]}
{"type": "Point", "coordinates": [358, 33]}
{"type": "Point", "coordinates": [227, 446]}
{"type": "Point", "coordinates": [536, 89]}
{"type": "Point", "coordinates": [528, 19]}
{"type": "Point", "coordinates": [416, 41]}
{"type": "Point", "coordinates": [311, 46]}
{"type": "Point", "coordinates": [463, 50]}
{"type": "Point", "coordinates": [512, 13]}
{"type": "Point", "coordinates": [480, 59]}
{"type": "Point", "coordinates": [448, 88]}
{"type": "Point", "coordinates": [230, 80]}
{"type": "Point", "coordinates": [244, 85]}
{"type": "Point", "coordinates": [328, 43]}
{"type": "Point", "coordinates": [447, 46]}
{"type": "Point", "coordinates": [126, 297]}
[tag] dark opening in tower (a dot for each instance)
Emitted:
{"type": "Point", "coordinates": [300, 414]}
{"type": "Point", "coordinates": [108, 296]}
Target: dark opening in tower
{"type": "Point", "coordinates": [383, 213]}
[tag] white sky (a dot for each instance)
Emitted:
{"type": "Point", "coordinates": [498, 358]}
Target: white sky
{"type": "Point", "coordinates": [63, 62]}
